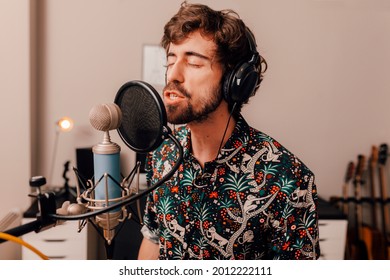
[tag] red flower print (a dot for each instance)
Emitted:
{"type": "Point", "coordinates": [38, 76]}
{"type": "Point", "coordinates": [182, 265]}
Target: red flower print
{"type": "Point", "coordinates": [293, 227]}
{"type": "Point", "coordinates": [291, 219]}
{"type": "Point", "coordinates": [259, 177]}
{"type": "Point", "coordinates": [302, 233]}
{"type": "Point", "coordinates": [223, 213]}
{"type": "Point", "coordinates": [237, 144]}
{"type": "Point", "coordinates": [297, 254]}
{"type": "Point", "coordinates": [221, 171]}
{"type": "Point", "coordinates": [285, 246]}
{"type": "Point", "coordinates": [213, 195]}
{"type": "Point", "coordinates": [274, 189]}
{"type": "Point", "coordinates": [281, 195]}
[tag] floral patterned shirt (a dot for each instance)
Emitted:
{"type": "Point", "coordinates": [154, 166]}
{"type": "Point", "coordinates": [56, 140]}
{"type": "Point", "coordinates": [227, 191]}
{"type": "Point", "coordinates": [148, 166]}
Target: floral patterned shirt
{"type": "Point", "coordinates": [255, 201]}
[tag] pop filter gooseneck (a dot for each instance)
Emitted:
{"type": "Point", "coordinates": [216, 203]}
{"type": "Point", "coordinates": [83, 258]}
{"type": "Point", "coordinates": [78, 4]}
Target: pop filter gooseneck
{"type": "Point", "coordinates": [143, 128]}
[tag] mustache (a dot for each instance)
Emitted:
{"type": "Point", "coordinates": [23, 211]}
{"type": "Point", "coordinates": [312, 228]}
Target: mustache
{"type": "Point", "coordinates": [177, 87]}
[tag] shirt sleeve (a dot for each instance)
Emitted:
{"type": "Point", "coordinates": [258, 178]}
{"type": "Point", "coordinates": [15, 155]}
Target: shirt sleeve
{"type": "Point", "coordinates": [297, 237]}
{"type": "Point", "coordinates": [150, 235]}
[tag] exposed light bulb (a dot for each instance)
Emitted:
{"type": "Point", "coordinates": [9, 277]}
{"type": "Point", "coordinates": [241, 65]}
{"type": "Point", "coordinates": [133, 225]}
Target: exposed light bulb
{"type": "Point", "coordinates": [65, 124]}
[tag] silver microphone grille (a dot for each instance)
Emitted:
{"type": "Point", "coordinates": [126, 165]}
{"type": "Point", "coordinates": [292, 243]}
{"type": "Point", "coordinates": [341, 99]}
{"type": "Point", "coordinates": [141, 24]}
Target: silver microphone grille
{"type": "Point", "coordinates": [105, 117]}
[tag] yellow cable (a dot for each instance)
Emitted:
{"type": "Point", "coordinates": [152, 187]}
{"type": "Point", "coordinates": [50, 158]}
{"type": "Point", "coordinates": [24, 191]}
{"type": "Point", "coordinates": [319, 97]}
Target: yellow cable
{"type": "Point", "coordinates": [10, 237]}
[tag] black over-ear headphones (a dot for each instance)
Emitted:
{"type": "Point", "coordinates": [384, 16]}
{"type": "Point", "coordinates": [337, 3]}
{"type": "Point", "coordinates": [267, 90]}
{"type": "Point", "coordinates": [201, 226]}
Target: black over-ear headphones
{"type": "Point", "coordinates": [241, 82]}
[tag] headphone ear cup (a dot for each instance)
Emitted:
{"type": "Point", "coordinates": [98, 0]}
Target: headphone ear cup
{"type": "Point", "coordinates": [226, 86]}
{"type": "Point", "coordinates": [241, 83]}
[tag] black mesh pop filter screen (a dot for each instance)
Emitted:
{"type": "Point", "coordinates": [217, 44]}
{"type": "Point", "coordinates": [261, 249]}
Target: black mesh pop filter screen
{"type": "Point", "coordinates": [143, 116]}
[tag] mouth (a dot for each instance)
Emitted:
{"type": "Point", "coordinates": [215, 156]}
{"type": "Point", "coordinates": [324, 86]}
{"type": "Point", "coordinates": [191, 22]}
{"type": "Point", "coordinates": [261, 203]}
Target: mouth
{"type": "Point", "coordinates": [172, 96]}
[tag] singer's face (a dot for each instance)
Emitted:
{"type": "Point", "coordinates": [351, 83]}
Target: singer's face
{"type": "Point", "coordinates": [193, 89]}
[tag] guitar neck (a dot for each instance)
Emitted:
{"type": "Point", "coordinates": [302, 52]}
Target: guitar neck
{"type": "Point", "coordinates": [374, 216]}
{"type": "Point", "coordinates": [358, 209]}
{"type": "Point", "coordinates": [382, 159]}
{"type": "Point", "coordinates": [345, 199]}
{"type": "Point", "coordinates": [385, 209]}
{"type": "Point", "coordinates": [358, 181]}
{"type": "Point", "coordinates": [345, 189]}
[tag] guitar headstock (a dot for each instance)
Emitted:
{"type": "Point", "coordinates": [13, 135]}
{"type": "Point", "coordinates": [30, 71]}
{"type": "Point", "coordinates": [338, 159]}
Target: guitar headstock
{"type": "Point", "coordinates": [350, 171]}
{"type": "Point", "coordinates": [382, 154]}
{"type": "Point", "coordinates": [360, 167]}
{"type": "Point", "coordinates": [374, 155]}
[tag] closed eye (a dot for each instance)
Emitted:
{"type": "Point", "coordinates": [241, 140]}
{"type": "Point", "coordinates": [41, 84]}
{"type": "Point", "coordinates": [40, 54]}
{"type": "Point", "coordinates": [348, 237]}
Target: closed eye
{"type": "Point", "coordinates": [194, 65]}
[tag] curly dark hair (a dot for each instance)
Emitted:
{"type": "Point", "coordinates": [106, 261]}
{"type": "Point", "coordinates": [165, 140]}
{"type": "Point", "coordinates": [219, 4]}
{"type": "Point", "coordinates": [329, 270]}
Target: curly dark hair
{"type": "Point", "coordinates": [225, 27]}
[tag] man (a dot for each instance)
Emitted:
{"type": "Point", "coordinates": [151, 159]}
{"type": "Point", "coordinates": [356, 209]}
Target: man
{"type": "Point", "coordinates": [238, 193]}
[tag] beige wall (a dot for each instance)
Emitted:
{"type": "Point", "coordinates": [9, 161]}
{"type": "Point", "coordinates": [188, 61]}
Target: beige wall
{"type": "Point", "coordinates": [15, 94]}
{"type": "Point", "coordinates": [325, 95]}
{"type": "Point", "coordinates": [16, 89]}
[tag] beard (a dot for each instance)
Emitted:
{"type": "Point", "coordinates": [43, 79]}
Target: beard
{"type": "Point", "coordinates": [188, 113]}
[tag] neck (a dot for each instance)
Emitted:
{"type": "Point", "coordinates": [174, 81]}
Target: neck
{"type": "Point", "coordinates": [206, 136]}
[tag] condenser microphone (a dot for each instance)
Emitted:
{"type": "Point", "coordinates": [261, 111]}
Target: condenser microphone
{"type": "Point", "coordinates": [106, 160]}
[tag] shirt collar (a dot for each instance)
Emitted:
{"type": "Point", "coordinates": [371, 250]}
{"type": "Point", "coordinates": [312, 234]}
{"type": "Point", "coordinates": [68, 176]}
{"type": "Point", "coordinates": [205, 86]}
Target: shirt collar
{"type": "Point", "coordinates": [236, 140]}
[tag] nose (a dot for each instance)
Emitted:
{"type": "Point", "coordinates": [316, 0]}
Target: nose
{"type": "Point", "coordinates": [175, 73]}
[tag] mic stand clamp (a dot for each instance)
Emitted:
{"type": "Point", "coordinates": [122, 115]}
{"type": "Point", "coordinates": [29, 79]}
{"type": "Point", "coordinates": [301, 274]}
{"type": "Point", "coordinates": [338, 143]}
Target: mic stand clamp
{"type": "Point", "coordinates": [46, 204]}
{"type": "Point", "coordinates": [46, 210]}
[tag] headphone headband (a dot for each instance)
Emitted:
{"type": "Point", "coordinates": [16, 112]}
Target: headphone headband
{"type": "Point", "coordinates": [252, 46]}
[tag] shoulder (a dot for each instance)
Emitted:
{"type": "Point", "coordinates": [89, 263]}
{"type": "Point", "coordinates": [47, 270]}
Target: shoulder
{"type": "Point", "coordinates": [275, 156]}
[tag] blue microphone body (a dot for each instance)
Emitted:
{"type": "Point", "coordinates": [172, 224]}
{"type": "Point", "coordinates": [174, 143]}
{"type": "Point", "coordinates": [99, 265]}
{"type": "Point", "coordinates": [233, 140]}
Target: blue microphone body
{"type": "Point", "coordinates": [106, 160]}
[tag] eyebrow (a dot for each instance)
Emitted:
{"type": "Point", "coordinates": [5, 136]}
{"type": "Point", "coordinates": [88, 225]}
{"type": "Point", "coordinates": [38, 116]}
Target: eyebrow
{"type": "Point", "coordinates": [190, 53]}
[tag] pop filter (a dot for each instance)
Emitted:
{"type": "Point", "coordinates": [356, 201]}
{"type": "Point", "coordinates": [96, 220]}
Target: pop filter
{"type": "Point", "coordinates": [144, 120]}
